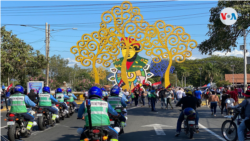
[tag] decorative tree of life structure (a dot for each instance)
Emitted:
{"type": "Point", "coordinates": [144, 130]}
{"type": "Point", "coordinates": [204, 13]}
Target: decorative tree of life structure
{"type": "Point", "coordinates": [123, 27]}
{"type": "Point", "coordinates": [159, 69]}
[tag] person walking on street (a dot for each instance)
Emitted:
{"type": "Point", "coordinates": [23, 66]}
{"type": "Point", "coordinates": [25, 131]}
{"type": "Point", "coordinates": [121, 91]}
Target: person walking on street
{"type": "Point", "coordinates": [198, 94]}
{"type": "Point", "coordinates": [149, 97]}
{"type": "Point", "coordinates": [162, 97]}
{"type": "Point", "coordinates": [132, 98]}
{"type": "Point", "coordinates": [179, 94]}
{"type": "Point", "coordinates": [169, 94]}
{"type": "Point", "coordinates": [153, 98]}
{"type": "Point", "coordinates": [214, 101]}
{"type": "Point", "coordinates": [223, 98]}
{"type": "Point", "coordinates": [206, 97]}
{"type": "Point", "coordinates": [234, 95]}
{"type": "Point", "coordinates": [143, 98]}
{"type": "Point", "coordinates": [137, 93]}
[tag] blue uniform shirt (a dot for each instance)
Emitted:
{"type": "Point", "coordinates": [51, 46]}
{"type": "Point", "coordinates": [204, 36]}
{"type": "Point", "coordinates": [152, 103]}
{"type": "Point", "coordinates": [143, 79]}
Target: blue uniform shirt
{"type": "Point", "coordinates": [53, 98]}
{"type": "Point", "coordinates": [81, 110]}
{"type": "Point", "coordinates": [74, 96]}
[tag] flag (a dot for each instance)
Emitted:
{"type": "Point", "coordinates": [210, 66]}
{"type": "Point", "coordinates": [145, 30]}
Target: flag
{"type": "Point", "coordinates": [9, 87]}
{"type": "Point", "coordinates": [121, 83]}
{"type": "Point", "coordinates": [156, 83]}
{"type": "Point", "coordinates": [145, 84]}
{"type": "Point", "coordinates": [168, 86]}
{"type": "Point", "coordinates": [137, 86]}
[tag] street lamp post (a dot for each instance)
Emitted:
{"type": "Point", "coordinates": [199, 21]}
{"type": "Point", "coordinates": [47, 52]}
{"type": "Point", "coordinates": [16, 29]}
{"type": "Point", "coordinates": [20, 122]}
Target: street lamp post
{"type": "Point", "coordinates": [200, 76]}
{"type": "Point", "coordinates": [233, 73]}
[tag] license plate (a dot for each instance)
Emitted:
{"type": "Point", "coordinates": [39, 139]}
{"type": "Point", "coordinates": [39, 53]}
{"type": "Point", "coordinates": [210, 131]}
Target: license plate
{"type": "Point", "coordinates": [191, 122]}
{"type": "Point", "coordinates": [10, 123]}
{"type": "Point", "coordinates": [39, 115]}
{"type": "Point", "coordinates": [112, 122]}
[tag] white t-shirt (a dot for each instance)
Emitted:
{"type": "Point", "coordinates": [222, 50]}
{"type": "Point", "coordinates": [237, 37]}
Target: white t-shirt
{"type": "Point", "coordinates": [169, 95]}
{"type": "Point", "coordinates": [157, 93]}
{"type": "Point", "coordinates": [230, 102]}
{"type": "Point", "coordinates": [179, 94]}
{"type": "Point", "coordinates": [126, 93]}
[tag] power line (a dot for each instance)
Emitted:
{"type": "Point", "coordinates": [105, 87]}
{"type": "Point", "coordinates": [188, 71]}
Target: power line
{"type": "Point", "coordinates": [111, 4]}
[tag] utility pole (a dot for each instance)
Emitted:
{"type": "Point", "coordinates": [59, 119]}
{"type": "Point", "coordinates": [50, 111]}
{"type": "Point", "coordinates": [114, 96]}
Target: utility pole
{"type": "Point", "coordinates": [245, 61]}
{"type": "Point", "coordinates": [47, 34]}
{"type": "Point", "coordinates": [200, 76]}
{"type": "Point", "coordinates": [233, 73]}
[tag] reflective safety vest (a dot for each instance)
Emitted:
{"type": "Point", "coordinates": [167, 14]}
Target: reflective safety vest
{"type": "Point", "coordinates": [71, 98]}
{"type": "Point", "coordinates": [99, 113]}
{"type": "Point", "coordinates": [44, 99]}
{"type": "Point", "coordinates": [60, 95]}
{"type": "Point", "coordinates": [17, 103]}
{"type": "Point", "coordinates": [115, 102]}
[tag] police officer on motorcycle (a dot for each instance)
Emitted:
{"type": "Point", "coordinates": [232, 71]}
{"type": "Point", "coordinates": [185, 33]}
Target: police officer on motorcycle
{"type": "Point", "coordinates": [117, 102]}
{"type": "Point", "coordinates": [71, 97]}
{"type": "Point", "coordinates": [188, 101]}
{"type": "Point", "coordinates": [17, 102]}
{"type": "Point", "coordinates": [100, 112]}
{"type": "Point", "coordinates": [45, 100]}
{"type": "Point", "coordinates": [60, 97]}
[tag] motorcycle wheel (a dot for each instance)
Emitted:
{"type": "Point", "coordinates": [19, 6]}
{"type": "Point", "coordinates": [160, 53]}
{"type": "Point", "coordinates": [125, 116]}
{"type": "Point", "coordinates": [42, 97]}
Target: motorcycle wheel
{"type": "Point", "coordinates": [229, 134]}
{"type": "Point", "coordinates": [12, 132]}
{"type": "Point", "coordinates": [57, 120]}
{"type": "Point", "coordinates": [41, 124]}
{"type": "Point", "coordinates": [191, 133]}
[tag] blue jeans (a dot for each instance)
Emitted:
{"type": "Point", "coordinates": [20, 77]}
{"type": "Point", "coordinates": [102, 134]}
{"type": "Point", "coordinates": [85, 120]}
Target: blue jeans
{"type": "Point", "coordinates": [163, 102]}
{"type": "Point", "coordinates": [213, 107]}
{"type": "Point", "coordinates": [241, 130]}
{"type": "Point", "coordinates": [143, 101]}
{"type": "Point", "coordinates": [52, 110]}
{"type": "Point", "coordinates": [149, 101]}
{"type": "Point", "coordinates": [153, 104]}
{"type": "Point", "coordinates": [28, 116]}
{"type": "Point", "coordinates": [181, 118]}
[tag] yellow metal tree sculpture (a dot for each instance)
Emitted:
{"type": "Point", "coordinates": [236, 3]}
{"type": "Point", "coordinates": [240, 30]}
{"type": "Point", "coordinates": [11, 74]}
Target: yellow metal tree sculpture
{"type": "Point", "coordinates": [101, 73]}
{"type": "Point", "coordinates": [123, 27]}
{"type": "Point", "coordinates": [93, 48]}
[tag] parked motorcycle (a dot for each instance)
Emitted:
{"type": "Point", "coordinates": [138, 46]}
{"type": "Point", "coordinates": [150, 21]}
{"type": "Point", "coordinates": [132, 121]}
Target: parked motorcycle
{"type": "Point", "coordinates": [44, 118]}
{"type": "Point", "coordinates": [229, 126]}
{"type": "Point", "coordinates": [93, 133]}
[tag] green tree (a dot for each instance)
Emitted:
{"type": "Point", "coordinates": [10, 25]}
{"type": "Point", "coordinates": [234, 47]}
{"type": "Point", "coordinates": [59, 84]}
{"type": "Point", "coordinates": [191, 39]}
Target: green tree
{"type": "Point", "coordinates": [18, 58]}
{"type": "Point", "coordinates": [222, 37]}
{"type": "Point", "coordinates": [210, 72]}
{"type": "Point", "coordinates": [222, 83]}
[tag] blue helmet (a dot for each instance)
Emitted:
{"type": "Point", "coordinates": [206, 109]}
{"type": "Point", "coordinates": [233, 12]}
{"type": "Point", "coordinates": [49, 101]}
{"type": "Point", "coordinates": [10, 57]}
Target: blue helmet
{"type": "Point", "coordinates": [189, 112]}
{"type": "Point", "coordinates": [69, 90]}
{"type": "Point", "coordinates": [103, 89]}
{"type": "Point", "coordinates": [19, 88]}
{"type": "Point", "coordinates": [46, 89]}
{"type": "Point", "coordinates": [115, 90]}
{"type": "Point", "coordinates": [95, 91]}
{"type": "Point", "coordinates": [58, 90]}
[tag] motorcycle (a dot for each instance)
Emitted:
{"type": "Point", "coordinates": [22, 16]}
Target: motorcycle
{"type": "Point", "coordinates": [17, 126]}
{"type": "Point", "coordinates": [44, 118]}
{"type": "Point", "coordinates": [61, 112]}
{"type": "Point", "coordinates": [189, 125]}
{"type": "Point", "coordinates": [70, 108]}
{"type": "Point", "coordinates": [229, 126]}
{"type": "Point", "coordinates": [116, 123]}
{"type": "Point", "coordinates": [93, 133]}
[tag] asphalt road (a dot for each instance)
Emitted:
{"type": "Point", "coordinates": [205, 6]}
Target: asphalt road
{"type": "Point", "coordinates": [140, 126]}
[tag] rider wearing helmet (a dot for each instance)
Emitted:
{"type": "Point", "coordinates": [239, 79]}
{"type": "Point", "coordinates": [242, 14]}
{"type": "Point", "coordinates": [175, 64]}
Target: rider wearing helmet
{"type": "Point", "coordinates": [60, 97]}
{"type": "Point", "coordinates": [104, 94]}
{"type": "Point", "coordinates": [116, 102]}
{"type": "Point", "coordinates": [71, 97]}
{"type": "Point", "coordinates": [101, 110]}
{"type": "Point", "coordinates": [187, 102]}
{"type": "Point", "coordinates": [17, 102]}
{"type": "Point", "coordinates": [45, 100]}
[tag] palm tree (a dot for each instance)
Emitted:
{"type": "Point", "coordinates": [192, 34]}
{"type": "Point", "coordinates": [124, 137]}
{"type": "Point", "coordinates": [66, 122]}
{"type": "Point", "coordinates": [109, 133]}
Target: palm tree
{"type": "Point", "coordinates": [210, 72]}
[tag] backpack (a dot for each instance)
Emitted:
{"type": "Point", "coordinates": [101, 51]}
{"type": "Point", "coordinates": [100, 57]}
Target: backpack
{"type": "Point", "coordinates": [242, 112]}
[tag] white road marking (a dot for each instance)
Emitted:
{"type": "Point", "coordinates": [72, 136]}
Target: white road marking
{"type": "Point", "coordinates": [132, 108]}
{"type": "Point", "coordinates": [205, 128]}
{"type": "Point", "coordinates": [4, 126]}
{"type": "Point", "coordinates": [158, 129]}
